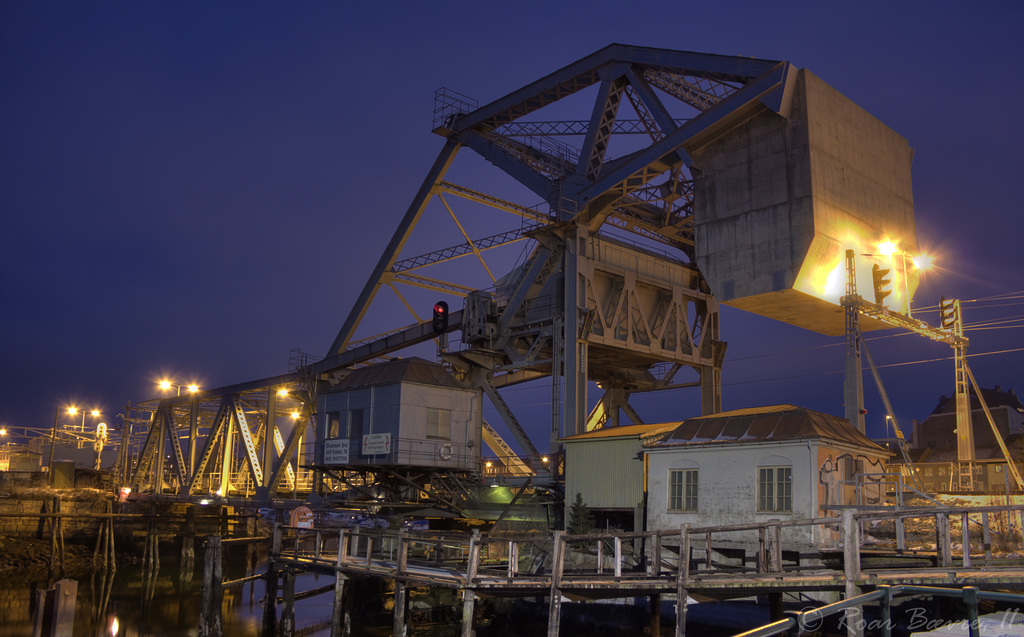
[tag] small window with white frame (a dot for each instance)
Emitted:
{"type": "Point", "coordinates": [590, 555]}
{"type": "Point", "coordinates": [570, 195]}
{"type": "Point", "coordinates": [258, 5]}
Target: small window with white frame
{"type": "Point", "coordinates": [439, 423]}
{"type": "Point", "coordinates": [775, 489]}
{"type": "Point", "coordinates": [682, 490]}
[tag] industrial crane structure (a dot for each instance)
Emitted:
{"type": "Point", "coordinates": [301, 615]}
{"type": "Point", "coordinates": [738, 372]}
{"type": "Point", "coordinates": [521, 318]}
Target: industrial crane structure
{"type": "Point", "coordinates": [636, 189]}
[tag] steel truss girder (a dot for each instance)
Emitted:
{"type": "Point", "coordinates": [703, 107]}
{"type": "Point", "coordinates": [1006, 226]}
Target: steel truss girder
{"type": "Point", "coordinates": [246, 410]}
{"type": "Point", "coordinates": [557, 129]}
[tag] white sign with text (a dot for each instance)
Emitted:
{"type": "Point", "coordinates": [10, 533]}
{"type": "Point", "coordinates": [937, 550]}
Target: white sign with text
{"type": "Point", "coordinates": [336, 451]}
{"type": "Point", "coordinates": [376, 444]}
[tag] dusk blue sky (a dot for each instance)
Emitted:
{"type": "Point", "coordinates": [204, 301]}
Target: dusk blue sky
{"type": "Point", "coordinates": [193, 189]}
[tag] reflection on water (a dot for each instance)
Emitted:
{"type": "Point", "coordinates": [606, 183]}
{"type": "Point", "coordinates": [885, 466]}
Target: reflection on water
{"type": "Point", "coordinates": [134, 602]}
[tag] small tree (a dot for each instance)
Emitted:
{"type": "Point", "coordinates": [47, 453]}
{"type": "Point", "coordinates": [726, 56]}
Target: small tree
{"type": "Point", "coordinates": [581, 520]}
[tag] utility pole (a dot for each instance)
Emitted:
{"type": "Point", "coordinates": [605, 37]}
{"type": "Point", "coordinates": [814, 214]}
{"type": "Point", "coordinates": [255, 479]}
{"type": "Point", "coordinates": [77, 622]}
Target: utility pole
{"type": "Point", "coordinates": [853, 385]}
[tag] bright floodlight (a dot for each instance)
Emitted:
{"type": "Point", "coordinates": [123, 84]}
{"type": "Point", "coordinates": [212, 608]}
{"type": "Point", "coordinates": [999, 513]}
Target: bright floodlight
{"type": "Point", "coordinates": [165, 384]}
{"type": "Point", "coordinates": [193, 388]}
{"type": "Point", "coordinates": [72, 411]}
{"type": "Point", "coordinates": [886, 248]}
{"type": "Point", "coordinates": [282, 392]}
{"type": "Point", "coordinates": [95, 412]}
{"type": "Point", "coordinates": [923, 261]}
{"type": "Point", "coordinates": [295, 415]}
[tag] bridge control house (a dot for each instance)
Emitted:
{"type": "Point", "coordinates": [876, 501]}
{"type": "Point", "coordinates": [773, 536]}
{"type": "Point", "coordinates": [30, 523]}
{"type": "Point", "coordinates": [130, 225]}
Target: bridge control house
{"type": "Point", "coordinates": [407, 412]}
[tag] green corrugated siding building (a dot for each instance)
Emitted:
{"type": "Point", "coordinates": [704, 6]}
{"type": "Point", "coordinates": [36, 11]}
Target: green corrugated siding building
{"type": "Point", "coordinates": [606, 467]}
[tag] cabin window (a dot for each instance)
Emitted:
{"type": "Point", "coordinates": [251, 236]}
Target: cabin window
{"type": "Point", "coordinates": [682, 490]}
{"type": "Point", "coordinates": [439, 423]}
{"type": "Point", "coordinates": [775, 489]}
{"type": "Point", "coordinates": [354, 423]}
{"type": "Point", "coordinates": [333, 419]}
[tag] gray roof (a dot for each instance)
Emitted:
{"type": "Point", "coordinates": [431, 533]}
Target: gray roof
{"type": "Point", "coordinates": [774, 423]}
{"type": "Point", "coordinates": [404, 370]}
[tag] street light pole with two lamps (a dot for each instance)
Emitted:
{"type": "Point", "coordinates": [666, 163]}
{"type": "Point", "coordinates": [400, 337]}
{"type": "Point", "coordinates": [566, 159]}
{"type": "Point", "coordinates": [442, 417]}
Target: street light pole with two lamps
{"type": "Point", "coordinates": [71, 411]}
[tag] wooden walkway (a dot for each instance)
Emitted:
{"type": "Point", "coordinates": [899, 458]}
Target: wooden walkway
{"type": "Point", "coordinates": [621, 565]}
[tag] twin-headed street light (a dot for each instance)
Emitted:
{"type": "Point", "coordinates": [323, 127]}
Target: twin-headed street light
{"type": "Point", "coordinates": [166, 385]}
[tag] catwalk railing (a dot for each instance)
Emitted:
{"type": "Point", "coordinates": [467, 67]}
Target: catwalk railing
{"type": "Point", "coordinates": [829, 553]}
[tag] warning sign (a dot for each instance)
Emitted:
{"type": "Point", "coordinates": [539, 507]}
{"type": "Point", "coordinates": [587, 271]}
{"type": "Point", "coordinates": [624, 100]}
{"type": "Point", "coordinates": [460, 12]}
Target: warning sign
{"type": "Point", "coordinates": [302, 517]}
{"type": "Point", "coordinates": [376, 444]}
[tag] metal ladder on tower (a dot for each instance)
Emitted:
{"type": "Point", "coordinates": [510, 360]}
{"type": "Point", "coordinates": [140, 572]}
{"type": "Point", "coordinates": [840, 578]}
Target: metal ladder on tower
{"type": "Point", "coordinates": [965, 473]}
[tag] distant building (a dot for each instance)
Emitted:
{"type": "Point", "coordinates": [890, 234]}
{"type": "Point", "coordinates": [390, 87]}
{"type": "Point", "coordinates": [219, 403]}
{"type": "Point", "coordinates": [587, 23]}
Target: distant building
{"type": "Point", "coordinates": [935, 436]}
{"type": "Point", "coordinates": [755, 465]}
{"type": "Point", "coordinates": [407, 412]}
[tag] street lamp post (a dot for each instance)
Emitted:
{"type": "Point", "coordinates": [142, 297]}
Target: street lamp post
{"type": "Point", "coordinates": [166, 384]}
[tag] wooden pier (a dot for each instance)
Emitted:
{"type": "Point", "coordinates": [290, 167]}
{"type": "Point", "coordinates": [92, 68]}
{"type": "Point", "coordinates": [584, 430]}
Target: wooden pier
{"type": "Point", "coordinates": [594, 566]}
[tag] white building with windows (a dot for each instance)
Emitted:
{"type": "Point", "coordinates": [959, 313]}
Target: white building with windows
{"type": "Point", "coordinates": [406, 412]}
{"type": "Point", "coordinates": [754, 465]}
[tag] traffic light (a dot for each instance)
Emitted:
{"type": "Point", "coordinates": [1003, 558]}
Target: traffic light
{"type": "Point", "coordinates": [948, 310]}
{"type": "Point", "coordinates": [440, 317]}
{"type": "Point", "coordinates": [880, 283]}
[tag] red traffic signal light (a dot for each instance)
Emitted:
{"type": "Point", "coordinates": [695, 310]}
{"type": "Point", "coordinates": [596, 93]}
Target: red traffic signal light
{"type": "Point", "coordinates": [880, 283]}
{"type": "Point", "coordinates": [949, 312]}
{"type": "Point", "coordinates": [440, 320]}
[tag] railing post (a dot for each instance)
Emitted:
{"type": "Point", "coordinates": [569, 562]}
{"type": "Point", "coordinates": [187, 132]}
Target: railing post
{"type": "Point", "coordinates": [655, 567]}
{"type": "Point", "coordinates": [971, 600]}
{"type": "Point", "coordinates": [618, 556]}
{"type": "Point", "coordinates": [901, 536]}
{"type": "Point", "coordinates": [774, 548]}
{"type": "Point", "coordinates": [884, 611]}
{"type": "Point", "coordinates": [555, 597]}
{"type": "Point", "coordinates": [762, 549]}
{"type": "Point", "coordinates": [986, 535]}
{"type": "Point", "coordinates": [513, 559]}
{"type": "Point", "coordinates": [965, 537]}
{"type": "Point", "coordinates": [707, 550]}
{"type": "Point", "coordinates": [600, 557]}
{"type": "Point", "coordinates": [943, 540]}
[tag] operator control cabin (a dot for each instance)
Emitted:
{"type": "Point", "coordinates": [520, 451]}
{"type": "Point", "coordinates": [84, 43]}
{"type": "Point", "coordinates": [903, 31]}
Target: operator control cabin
{"type": "Point", "coordinates": [406, 412]}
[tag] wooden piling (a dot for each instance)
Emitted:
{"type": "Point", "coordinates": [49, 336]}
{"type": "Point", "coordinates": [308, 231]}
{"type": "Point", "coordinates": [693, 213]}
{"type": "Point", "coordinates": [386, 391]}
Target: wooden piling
{"type": "Point", "coordinates": [401, 589]}
{"type": "Point", "coordinates": [341, 615]}
{"type": "Point", "coordinates": [682, 575]}
{"type": "Point", "coordinates": [288, 609]}
{"type": "Point", "coordinates": [210, 614]}
{"type": "Point", "coordinates": [851, 569]}
{"type": "Point", "coordinates": [468, 596]}
{"type": "Point", "coordinates": [555, 597]}
{"type": "Point", "coordinates": [655, 601]}
{"type": "Point", "coordinates": [270, 597]}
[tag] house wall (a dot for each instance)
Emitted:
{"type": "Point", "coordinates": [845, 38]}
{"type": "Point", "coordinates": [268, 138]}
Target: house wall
{"type": "Point", "coordinates": [728, 477]}
{"type": "Point", "coordinates": [605, 472]}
